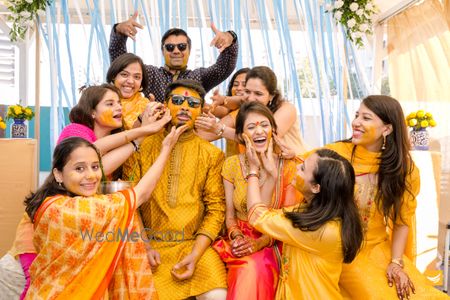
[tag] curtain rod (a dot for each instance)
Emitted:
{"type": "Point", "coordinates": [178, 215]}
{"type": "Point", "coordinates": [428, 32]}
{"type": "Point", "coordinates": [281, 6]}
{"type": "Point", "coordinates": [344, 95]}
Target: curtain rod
{"type": "Point", "coordinates": [397, 9]}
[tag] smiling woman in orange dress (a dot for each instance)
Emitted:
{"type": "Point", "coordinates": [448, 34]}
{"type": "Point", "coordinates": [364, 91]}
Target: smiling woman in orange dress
{"type": "Point", "coordinates": [71, 265]}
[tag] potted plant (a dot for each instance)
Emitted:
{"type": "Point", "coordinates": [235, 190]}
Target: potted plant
{"type": "Point", "coordinates": [19, 114]}
{"type": "Point", "coordinates": [419, 121]}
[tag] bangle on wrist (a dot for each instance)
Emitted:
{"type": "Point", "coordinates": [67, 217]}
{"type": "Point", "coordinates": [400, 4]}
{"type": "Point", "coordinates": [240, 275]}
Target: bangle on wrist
{"type": "Point", "coordinates": [252, 174]}
{"type": "Point", "coordinates": [398, 261]}
{"type": "Point", "coordinates": [225, 101]}
{"type": "Point", "coordinates": [135, 145]}
{"type": "Point", "coordinates": [234, 232]}
{"type": "Point", "coordinates": [220, 132]}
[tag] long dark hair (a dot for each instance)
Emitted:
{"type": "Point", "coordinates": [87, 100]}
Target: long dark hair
{"type": "Point", "coordinates": [50, 187]}
{"type": "Point", "coordinates": [233, 78]}
{"type": "Point", "coordinates": [395, 161]}
{"type": "Point", "coordinates": [269, 80]}
{"type": "Point", "coordinates": [335, 200]}
{"type": "Point", "coordinates": [121, 63]}
{"type": "Point", "coordinates": [90, 98]}
{"type": "Point", "coordinates": [252, 107]}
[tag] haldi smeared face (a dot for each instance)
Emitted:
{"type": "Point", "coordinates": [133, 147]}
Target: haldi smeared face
{"type": "Point", "coordinates": [368, 129]}
{"type": "Point", "coordinates": [185, 106]}
{"type": "Point", "coordinates": [304, 179]}
{"type": "Point", "coordinates": [108, 112]}
{"type": "Point", "coordinates": [258, 128]}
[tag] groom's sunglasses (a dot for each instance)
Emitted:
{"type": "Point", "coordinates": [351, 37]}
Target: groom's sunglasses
{"type": "Point", "coordinates": [192, 102]}
{"type": "Point", "coordinates": [180, 46]}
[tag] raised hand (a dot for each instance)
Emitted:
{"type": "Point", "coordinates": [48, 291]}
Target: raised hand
{"type": "Point", "coordinates": [252, 156]}
{"type": "Point", "coordinates": [153, 111]}
{"type": "Point", "coordinates": [129, 27]}
{"type": "Point", "coordinates": [217, 100]}
{"type": "Point", "coordinates": [267, 160]}
{"type": "Point", "coordinates": [207, 122]}
{"type": "Point", "coordinates": [222, 40]}
{"type": "Point", "coordinates": [286, 152]}
{"type": "Point", "coordinates": [171, 139]}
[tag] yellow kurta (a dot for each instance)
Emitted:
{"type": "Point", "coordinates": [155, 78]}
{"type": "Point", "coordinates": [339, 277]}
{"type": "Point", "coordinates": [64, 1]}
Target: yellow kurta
{"type": "Point", "coordinates": [132, 108]}
{"type": "Point", "coordinates": [188, 200]}
{"type": "Point", "coordinates": [311, 260]}
{"type": "Point", "coordinates": [365, 277]}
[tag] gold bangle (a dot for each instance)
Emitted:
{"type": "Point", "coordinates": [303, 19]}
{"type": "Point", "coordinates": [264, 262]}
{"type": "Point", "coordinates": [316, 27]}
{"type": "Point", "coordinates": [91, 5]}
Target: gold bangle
{"type": "Point", "coordinates": [252, 174]}
{"type": "Point", "coordinates": [225, 101]}
{"type": "Point", "coordinates": [398, 261]}
{"type": "Point", "coordinates": [220, 133]}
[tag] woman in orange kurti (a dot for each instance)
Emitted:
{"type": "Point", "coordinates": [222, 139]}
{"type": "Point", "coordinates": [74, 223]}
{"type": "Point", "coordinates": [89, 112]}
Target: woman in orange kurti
{"type": "Point", "coordinates": [82, 237]}
{"type": "Point", "coordinates": [252, 258]}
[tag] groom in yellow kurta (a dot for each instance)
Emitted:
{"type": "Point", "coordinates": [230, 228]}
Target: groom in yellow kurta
{"type": "Point", "coordinates": [186, 210]}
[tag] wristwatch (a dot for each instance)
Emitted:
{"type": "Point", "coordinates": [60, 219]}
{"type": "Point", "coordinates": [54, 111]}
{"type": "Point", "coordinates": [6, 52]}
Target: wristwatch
{"type": "Point", "coordinates": [233, 34]}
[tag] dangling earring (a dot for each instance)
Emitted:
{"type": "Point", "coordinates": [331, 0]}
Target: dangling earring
{"type": "Point", "coordinates": [270, 102]}
{"type": "Point", "coordinates": [141, 89]}
{"type": "Point", "coordinates": [60, 184]}
{"type": "Point", "coordinates": [384, 143]}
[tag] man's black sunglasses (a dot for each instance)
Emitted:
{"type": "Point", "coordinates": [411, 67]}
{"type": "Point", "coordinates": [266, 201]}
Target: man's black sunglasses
{"type": "Point", "coordinates": [192, 102]}
{"type": "Point", "coordinates": [180, 46]}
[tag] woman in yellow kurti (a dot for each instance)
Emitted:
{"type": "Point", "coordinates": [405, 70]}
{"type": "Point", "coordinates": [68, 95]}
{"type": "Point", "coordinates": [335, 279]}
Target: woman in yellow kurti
{"type": "Point", "coordinates": [318, 235]}
{"type": "Point", "coordinates": [127, 73]}
{"type": "Point", "coordinates": [387, 183]}
{"type": "Point", "coordinates": [77, 232]}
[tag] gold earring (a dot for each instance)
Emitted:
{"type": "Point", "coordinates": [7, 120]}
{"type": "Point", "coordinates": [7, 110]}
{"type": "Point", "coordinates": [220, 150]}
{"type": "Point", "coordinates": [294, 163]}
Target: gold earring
{"type": "Point", "coordinates": [384, 143]}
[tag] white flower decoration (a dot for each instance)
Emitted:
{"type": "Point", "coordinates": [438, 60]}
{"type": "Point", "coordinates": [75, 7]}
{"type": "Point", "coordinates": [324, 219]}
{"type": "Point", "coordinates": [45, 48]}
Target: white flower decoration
{"type": "Point", "coordinates": [338, 15]}
{"type": "Point", "coordinates": [360, 12]}
{"type": "Point", "coordinates": [354, 6]}
{"type": "Point", "coordinates": [338, 4]}
{"type": "Point", "coordinates": [351, 23]}
{"type": "Point", "coordinates": [363, 27]}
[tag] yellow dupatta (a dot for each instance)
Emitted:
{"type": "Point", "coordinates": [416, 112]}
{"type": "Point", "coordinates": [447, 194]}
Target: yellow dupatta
{"type": "Point", "coordinates": [132, 108]}
{"type": "Point", "coordinates": [71, 264]}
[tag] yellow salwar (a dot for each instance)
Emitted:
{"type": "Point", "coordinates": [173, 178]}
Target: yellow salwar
{"type": "Point", "coordinates": [365, 277]}
{"type": "Point", "coordinates": [81, 254]}
{"type": "Point", "coordinates": [132, 108]}
{"type": "Point", "coordinates": [311, 261]}
{"type": "Point", "coordinates": [187, 201]}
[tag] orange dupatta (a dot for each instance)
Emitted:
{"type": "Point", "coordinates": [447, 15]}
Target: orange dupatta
{"type": "Point", "coordinates": [73, 264]}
